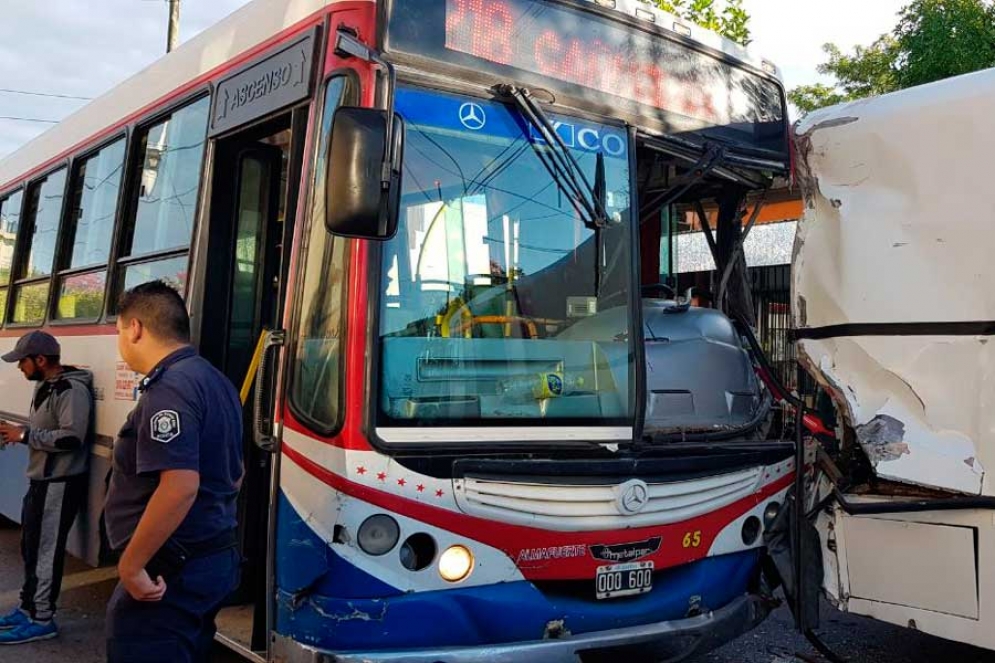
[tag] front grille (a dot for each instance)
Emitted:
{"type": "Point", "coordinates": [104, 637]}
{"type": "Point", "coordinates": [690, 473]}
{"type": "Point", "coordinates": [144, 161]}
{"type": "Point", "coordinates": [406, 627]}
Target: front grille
{"type": "Point", "coordinates": [580, 507]}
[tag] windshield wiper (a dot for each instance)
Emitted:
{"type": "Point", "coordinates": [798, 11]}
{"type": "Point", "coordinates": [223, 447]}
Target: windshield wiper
{"type": "Point", "coordinates": [588, 199]}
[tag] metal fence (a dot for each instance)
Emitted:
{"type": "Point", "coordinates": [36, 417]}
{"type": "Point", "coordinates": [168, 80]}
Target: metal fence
{"type": "Point", "coordinates": [771, 288]}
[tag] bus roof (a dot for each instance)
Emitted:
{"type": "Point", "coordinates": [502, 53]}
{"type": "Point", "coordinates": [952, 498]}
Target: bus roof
{"type": "Point", "coordinates": [182, 70]}
{"type": "Point", "coordinates": [230, 41]}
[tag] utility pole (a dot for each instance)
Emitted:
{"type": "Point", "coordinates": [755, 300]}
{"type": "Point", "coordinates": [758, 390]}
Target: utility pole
{"type": "Point", "coordinates": [173, 37]}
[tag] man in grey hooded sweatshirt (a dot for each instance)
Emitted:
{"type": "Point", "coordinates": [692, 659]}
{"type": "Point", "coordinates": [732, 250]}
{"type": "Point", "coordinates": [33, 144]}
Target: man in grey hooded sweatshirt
{"type": "Point", "coordinates": [59, 435]}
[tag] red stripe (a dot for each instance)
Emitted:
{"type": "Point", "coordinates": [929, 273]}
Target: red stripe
{"type": "Point", "coordinates": [513, 539]}
{"type": "Point", "coordinates": [63, 330]}
{"type": "Point", "coordinates": [361, 17]}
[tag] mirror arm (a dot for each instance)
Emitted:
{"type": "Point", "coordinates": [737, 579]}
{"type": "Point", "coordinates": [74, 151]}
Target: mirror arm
{"type": "Point", "coordinates": [348, 45]}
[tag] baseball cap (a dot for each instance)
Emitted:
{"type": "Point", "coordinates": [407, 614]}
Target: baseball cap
{"type": "Point", "coordinates": [33, 344]}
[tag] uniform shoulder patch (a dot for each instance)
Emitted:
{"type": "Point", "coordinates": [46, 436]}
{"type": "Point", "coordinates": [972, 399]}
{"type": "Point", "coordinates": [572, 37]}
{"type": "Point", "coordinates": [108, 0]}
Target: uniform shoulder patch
{"type": "Point", "coordinates": [165, 426]}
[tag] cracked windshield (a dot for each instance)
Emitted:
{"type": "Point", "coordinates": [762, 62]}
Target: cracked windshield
{"type": "Point", "coordinates": [499, 300]}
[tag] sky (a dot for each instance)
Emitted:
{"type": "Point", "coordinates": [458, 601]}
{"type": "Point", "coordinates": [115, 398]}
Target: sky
{"type": "Point", "coordinates": [82, 49]}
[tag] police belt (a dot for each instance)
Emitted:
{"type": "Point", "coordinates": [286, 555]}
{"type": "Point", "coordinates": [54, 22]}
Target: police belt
{"type": "Point", "coordinates": [223, 541]}
{"type": "Point", "coordinates": [173, 555]}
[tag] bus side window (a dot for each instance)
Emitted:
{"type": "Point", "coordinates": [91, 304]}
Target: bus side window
{"type": "Point", "coordinates": [318, 339]}
{"type": "Point", "coordinates": [10, 221]}
{"type": "Point", "coordinates": [93, 197]}
{"type": "Point", "coordinates": [166, 184]}
{"type": "Point", "coordinates": [32, 274]}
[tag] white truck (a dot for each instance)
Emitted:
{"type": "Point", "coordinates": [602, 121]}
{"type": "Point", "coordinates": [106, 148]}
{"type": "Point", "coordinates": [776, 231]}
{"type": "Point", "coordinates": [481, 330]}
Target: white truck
{"type": "Point", "coordinates": [894, 303]}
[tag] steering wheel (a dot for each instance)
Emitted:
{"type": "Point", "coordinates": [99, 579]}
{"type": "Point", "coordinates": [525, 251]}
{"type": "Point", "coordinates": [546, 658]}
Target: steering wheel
{"type": "Point", "coordinates": [650, 288]}
{"type": "Point", "coordinates": [527, 323]}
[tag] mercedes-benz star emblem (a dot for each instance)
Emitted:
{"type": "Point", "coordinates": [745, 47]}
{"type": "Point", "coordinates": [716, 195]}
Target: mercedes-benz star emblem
{"type": "Point", "coordinates": [633, 496]}
{"type": "Point", "coordinates": [472, 116]}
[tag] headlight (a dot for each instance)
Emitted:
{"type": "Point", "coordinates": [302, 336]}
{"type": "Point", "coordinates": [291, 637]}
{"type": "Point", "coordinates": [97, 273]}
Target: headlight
{"type": "Point", "coordinates": [751, 530]}
{"type": "Point", "coordinates": [770, 513]}
{"type": "Point", "coordinates": [378, 534]}
{"type": "Point", "coordinates": [456, 563]}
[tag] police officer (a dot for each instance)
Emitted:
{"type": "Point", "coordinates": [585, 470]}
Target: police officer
{"type": "Point", "coordinates": [171, 504]}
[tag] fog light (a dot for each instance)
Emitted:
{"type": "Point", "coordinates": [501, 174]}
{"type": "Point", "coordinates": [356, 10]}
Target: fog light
{"type": "Point", "coordinates": [751, 530]}
{"type": "Point", "coordinates": [456, 563]}
{"type": "Point", "coordinates": [378, 534]}
{"type": "Point", "coordinates": [417, 552]}
{"type": "Point", "coordinates": [770, 513]}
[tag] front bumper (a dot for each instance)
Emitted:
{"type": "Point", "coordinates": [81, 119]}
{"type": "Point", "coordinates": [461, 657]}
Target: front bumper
{"type": "Point", "coordinates": [663, 642]}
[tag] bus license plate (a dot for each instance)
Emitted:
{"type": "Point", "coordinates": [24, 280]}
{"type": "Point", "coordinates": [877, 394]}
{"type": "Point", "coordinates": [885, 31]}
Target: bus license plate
{"type": "Point", "coordinates": [623, 579]}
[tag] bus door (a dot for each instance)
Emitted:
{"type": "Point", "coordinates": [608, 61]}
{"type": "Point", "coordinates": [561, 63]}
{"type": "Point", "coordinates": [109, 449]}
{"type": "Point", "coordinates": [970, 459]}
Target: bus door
{"type": "Point", "coordinates": [254, 190]}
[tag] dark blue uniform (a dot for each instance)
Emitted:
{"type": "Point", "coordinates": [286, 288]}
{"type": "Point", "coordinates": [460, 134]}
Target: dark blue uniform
{"type": "Point", "coordinates": [188, 418]}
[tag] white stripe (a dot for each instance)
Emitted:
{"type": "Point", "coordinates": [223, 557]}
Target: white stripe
{"type": "Point", "coordinates": [380, 472]}
{"type": "Point", "coordinates": [505, 434]}
{"type": "Point", "coordinates": [322, 509]}
{"type": "Point", "coordinates": [45, 568]}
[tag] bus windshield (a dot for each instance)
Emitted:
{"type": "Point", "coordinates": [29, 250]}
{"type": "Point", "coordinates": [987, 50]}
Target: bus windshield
{"type": "Point", "coordinates": [496, 295]}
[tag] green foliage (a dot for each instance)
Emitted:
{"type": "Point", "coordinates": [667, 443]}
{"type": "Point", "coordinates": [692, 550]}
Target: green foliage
{"type": "Point", "coordinates": [943, 38]}
{"type": "Point", "coordinates": [934, 39]}
{"type": "Point", "coordinates": [731, 21]}
{"type": "Point", "coordinates": [807, 98]}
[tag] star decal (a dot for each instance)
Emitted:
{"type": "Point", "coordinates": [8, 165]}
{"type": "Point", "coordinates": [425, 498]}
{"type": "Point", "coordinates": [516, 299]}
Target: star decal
{"type": "Point", "coordinates": [360, 470]}
{"type": "Point", "coordinates": [439, 493]}
{"type": "Point", "coordinates": [421, 488]}
{"type": "Point", "coordinates": [401, 482]}
{"type": "Point", "coordinates": [381, 476]}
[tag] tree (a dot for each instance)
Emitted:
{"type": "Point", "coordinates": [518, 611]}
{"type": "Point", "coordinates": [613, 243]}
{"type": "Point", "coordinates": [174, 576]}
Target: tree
{"type": "Point", "coordinates": [934, 39]}
{"type": "Point", "coordinates": [868, 72]}
{"type": "Point", "coordinates": [943, 38]}
{"type": "Point", "coordinates": [731, 22]}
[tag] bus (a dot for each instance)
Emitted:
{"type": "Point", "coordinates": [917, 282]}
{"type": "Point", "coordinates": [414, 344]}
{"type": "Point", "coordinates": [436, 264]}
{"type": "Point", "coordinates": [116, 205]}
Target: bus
{"type": "Point", "coordinates": [893, 310]}
{"type": "Point", "coordinates": [432, 240]}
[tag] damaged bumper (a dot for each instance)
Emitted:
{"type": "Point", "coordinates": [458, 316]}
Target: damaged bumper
{"type": "Point", "coordinates": [664, 642]}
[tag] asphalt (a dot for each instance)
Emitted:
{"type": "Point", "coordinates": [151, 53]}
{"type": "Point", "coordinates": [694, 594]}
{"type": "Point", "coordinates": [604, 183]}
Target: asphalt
{"type": "Point", "coordinates": [855, 639]}
{"type": "Point", "coordinates": [852, 638]}
{"type": "Point", "coordinates": [85, 591]}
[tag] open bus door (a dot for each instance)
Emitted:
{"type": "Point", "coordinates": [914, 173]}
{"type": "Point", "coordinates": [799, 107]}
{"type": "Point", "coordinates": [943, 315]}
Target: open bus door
{"type": "Point", "coordinates": [254, 190]}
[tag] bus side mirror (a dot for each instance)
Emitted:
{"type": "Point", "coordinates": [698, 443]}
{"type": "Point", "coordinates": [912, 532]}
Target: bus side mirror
{"type": "Point", "coordinates": [363, 175]}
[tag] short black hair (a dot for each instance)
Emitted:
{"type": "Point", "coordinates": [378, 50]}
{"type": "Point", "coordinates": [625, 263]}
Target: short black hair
{"type": "Point", "coordinates": [53, 359]}
{"type": "Point", "coordinates": [159, 307]}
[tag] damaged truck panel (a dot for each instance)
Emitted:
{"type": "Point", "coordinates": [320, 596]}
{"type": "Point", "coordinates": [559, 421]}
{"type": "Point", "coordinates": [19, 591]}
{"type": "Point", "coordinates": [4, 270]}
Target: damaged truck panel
{"type": "Point", "coordinates": [894, 314]}
{"type": "Point", "coordinates": [892, 277]}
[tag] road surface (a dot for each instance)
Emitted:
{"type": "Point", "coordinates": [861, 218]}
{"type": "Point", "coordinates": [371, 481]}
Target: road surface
{"type": "Point", "coordinates": [858, 640]}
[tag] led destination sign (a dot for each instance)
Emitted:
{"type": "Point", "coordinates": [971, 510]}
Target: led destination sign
{"type": "Point", "coordinates": [571, 50]}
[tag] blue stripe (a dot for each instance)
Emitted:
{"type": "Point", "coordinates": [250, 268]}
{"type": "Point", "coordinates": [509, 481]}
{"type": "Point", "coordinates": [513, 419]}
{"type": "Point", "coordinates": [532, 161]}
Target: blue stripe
{"type": "Point", "coordinates": [325, 602]}
{"type": "Point", "coordinates": [476, 117]}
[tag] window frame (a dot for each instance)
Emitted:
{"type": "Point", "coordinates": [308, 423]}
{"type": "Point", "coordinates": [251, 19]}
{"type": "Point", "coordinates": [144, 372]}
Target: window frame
{"type": "Point", "coordinates": [8, 286]}
{"type": "Point", "coordinates": [128, 208]}
{"type": "Point", "coordinates": [21, 249]}
{"type": "Point", "coordinates": [63, 257]}
{"type": "Point", "coordinates": [116, 264]}
{"type": "Point", "coordinates": [377, 420]}
{"type": "Point", "coordinates": [351, 96]}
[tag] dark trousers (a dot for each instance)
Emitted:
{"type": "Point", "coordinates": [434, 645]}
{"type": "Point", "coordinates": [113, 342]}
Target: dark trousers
{"type": "Point", "coordinates": [49, 510]}
{"type": "Point", "coordinates": [180, 628]}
